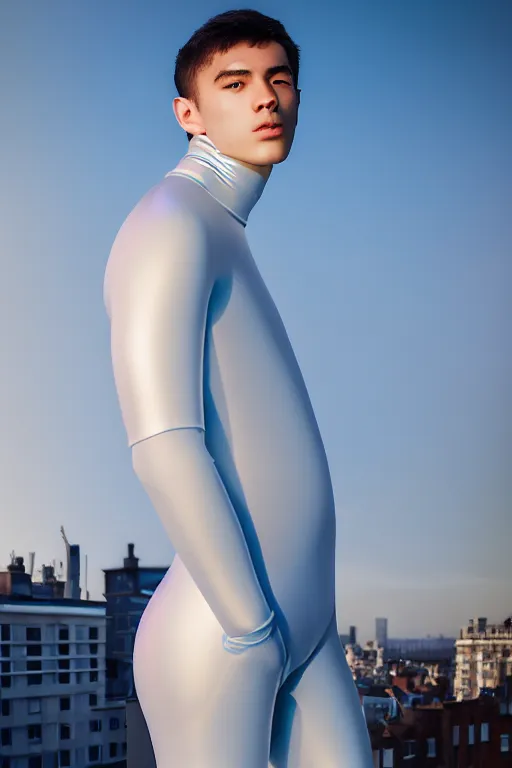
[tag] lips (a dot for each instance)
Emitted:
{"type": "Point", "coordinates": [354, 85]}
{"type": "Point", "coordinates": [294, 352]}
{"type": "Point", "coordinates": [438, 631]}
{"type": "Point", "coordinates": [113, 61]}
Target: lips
{"type": "Point", "coordinates": [268, 125]}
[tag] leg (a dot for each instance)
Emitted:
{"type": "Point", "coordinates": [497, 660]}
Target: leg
{"type": "Point", "coordinates": [204, 707]}
{"type": "Point", "coordinates": [318, 718]}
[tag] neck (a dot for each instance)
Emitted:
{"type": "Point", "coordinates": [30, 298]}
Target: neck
{"type": "Point", "coordinates": [263, 170]}
{"type": "Point", "coordinates": [236, 185]}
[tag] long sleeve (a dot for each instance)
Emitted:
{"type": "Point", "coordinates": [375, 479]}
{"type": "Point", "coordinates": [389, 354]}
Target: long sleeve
{"type": "Point", "coordinates": [157, 289]}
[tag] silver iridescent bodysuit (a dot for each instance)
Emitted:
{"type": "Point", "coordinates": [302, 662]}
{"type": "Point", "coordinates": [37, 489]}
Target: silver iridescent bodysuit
{"type": "Point", "coordinates": [225, 441]}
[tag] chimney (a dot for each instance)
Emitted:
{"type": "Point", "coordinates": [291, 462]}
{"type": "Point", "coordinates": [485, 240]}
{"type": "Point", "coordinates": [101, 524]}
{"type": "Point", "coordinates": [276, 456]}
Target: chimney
{"type": "Point", "coordinates": [16, 566]}
{"type": "Point", "coordinates": [131, 562]}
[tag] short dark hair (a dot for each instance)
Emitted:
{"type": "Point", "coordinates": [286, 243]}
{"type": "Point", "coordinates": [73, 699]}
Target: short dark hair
{"type": "Point", "coordinates": [221, 33]}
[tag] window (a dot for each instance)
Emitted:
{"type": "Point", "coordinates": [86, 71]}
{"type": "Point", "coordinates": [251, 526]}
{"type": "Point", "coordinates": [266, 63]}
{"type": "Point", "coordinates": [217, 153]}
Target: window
{"type": "Point", "coordinates": [94, 753]}
{"type": "Point", "coordinates": [94, 726]}
{"type": "Point", "coordinates": [63, 649]}
{"type": "Point", "coordinates": [119, 643]}
{"type": "Point", "coordinates": [64, 678]}
{"type": "Point", "coordinates": [34, 650]}
{"type": "Point", "coordinates": [431, 747]}
{"type": "Point", "coordinates": [114, 723]}
{"type": "Point", "coordinates": [6, 737]}
{"type": "Point", "coordinates": [409, 748]}
{"type": "Point", "coordinates": [387, 758]}
{"type": "Point", "coordinates": [64, 758]}
{"type": "Point", "coordinates": [34, 666]}
{"type": "Point", "coordinates": [93, 700]}
{"type": "Point", "coordinates": [6, 667]}
{"type": "Point", "coordinates": [471, 734]}
{"type": "Point", "coordinates": [65, 704]}
{"type": "Point", "coordinates": [65, 732]}
{"type": "Point", "coordinates": [504, 738]}
{"type": "Point", "coordinates": [63, 633]}
{"type": "Point", "coordinates": [64, 663]}
{"type": "Point", "coordinates": [6, 708]}
{"type": "Point", "coordinates": [484, 732]}
{"type": "Point", "coordinates": [34, 706]}
{"type": "Point", "coordinates": [36, 761]}
{"type": "Point", "coordinates": [5, 651]}
{"type": "Point", "coordinates": [111, 669]}
{"type": "Point", "coordinates": [93, 677]}
{"type": "Point", "coordinates": [112, 752]}
{"type": "Point", "coordinates": [34, 732]}
{"type": "Point", "coordinates": [93, 663]}
{"type": "Point", "coordinates": [456, 735]}
{"type": "Point", "coordinates": [5, 680]}
{"type": "Point", "coordinates": [5, 632]}
{"type": "Point", "coordinates": [33, 634]}
{"type": "Point", "coordinates": [93, 649]}
{"type": "Point", "coordinates": [93, 633]}
{"type": "Point", "coordinates": [5, 762]}
{"type": "Point", "coordinates": [122, 623]}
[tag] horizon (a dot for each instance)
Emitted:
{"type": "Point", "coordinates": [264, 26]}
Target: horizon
{"type": "Point", "coordinates": [342, 628]}
{"type": "Point", "coordinates": [384, 240]}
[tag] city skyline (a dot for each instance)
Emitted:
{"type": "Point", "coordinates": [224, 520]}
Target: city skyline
{"type": "Point", "coordinates": [384, 240]}
{"type": "Point", "coordinates": [368, 625]}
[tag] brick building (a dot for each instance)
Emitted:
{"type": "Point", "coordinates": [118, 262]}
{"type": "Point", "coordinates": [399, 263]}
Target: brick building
{"type": "Point", "coordinates": [469, 734]}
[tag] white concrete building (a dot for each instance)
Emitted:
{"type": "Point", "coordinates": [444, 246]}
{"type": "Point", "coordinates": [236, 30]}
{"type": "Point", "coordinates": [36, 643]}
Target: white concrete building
{"type": "Point", "coordinates": [53, 712]}
{"type": "Point", "coordinates": [483, 657]}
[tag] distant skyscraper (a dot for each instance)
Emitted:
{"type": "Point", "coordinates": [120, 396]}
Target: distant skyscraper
{"type": "Point", "coordinates": [352, 635]}
{"type": "Point", "coordinates": [381, 632]}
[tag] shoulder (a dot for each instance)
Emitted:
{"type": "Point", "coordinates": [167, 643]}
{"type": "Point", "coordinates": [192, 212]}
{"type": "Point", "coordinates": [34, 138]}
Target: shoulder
{"type": "Point", "coordinates": [163, 237]}
{"type": "Point", "coordinates": [165, 211]}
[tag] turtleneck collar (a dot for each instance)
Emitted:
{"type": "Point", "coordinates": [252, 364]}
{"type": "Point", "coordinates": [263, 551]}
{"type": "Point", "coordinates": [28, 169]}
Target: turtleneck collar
{"type": "Point", "coordinates": [234, 186]}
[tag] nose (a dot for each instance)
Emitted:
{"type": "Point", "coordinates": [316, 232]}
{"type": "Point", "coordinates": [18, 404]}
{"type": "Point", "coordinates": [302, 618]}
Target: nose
{"type": "Point", "coordinates": [267, 99]}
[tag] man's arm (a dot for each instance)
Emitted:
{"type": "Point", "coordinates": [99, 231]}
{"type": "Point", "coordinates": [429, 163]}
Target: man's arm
{"type": "Point", "coordinates": [158, 286]}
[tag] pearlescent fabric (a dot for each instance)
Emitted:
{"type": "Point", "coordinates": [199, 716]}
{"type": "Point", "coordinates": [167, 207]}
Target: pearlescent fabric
{"type": "Point", "coordinates": [226, 444]}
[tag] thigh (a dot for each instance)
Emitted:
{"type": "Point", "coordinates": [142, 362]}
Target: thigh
{"type": "Point", "coordinates": [318, 718]}
{"type": "Point", "coordinates": [204, 707]}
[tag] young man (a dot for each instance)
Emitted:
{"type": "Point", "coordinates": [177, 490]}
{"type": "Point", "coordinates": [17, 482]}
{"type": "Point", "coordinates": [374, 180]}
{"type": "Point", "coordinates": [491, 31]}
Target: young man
{"type": "Point", "coordinates": [237, 658]}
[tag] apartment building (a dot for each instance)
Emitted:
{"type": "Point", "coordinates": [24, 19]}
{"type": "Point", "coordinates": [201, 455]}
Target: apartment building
{"type": "Point", "coordinates": [127, 592]}
{"type": "Point", "coordinates": [483, 657]}
{"type": "Point", "coordinates": [53, 710]}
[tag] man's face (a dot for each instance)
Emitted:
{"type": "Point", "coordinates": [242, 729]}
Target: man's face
{"type": "Point", "coordinates": [232, 106]}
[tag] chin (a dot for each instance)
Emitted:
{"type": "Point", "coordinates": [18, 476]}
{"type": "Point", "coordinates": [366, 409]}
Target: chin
{"type": "Point", "coordinates": [271, 152]}
{"type": "Point", "coordinates": [263, 153]}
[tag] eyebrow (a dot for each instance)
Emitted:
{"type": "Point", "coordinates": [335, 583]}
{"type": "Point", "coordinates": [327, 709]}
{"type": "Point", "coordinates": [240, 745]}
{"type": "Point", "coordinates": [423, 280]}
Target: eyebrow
{"type": "Point", "coordinates": [239, 72]}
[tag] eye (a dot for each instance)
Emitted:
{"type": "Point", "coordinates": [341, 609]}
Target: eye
{"type": "Point", "coordinates": [239, 82]}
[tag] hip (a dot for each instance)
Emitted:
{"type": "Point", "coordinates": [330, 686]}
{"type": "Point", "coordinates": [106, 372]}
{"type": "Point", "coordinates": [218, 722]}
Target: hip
{"type": "Point", "coordinates": [178, 624]}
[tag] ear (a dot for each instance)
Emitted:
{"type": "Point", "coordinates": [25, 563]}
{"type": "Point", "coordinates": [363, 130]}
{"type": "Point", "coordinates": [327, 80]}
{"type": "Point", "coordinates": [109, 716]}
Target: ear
{"type": "Point", "coordinates": [188, 116]}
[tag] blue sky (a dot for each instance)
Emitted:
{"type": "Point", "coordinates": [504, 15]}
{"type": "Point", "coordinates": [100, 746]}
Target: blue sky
{"type": "Point", "coordinates": [385, 239]}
